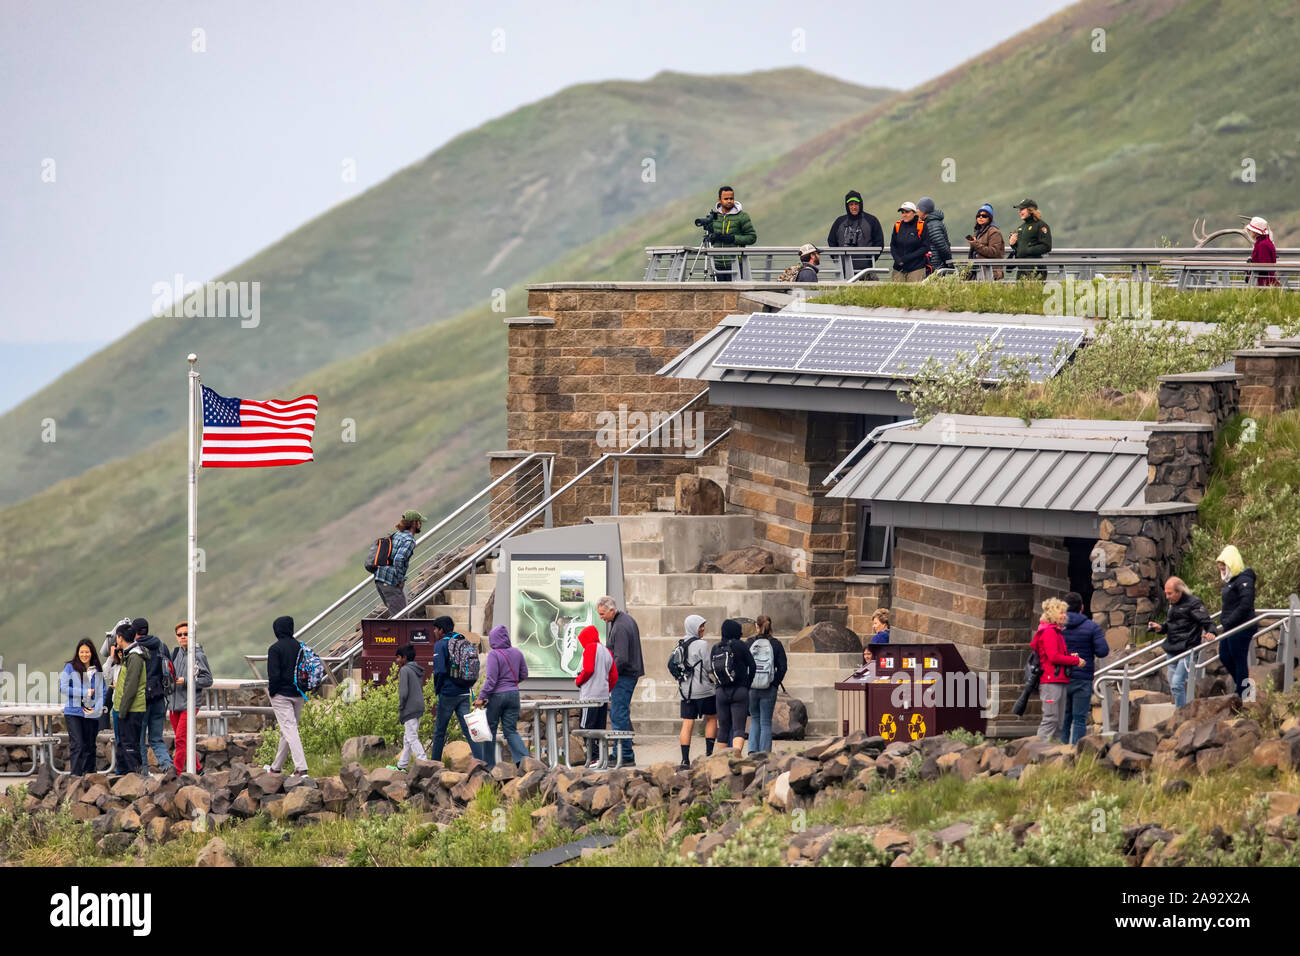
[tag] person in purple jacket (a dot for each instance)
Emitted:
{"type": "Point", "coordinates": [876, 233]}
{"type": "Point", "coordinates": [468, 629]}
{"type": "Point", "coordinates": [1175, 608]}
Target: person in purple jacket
{"type": "Point", "coordinates": [1083, 639]}
{"type": "Point", "coordinates": [506, 667]}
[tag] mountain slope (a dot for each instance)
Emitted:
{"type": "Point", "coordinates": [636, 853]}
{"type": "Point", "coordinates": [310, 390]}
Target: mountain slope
{"type": "Point", "coordinates": [479, 214]}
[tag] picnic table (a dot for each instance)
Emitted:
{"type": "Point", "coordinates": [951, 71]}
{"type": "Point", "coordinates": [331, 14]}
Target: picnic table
{"type": "Point", "coordinates": [41, 740]}
{"type": "Point", "coordinates": [554, 713]}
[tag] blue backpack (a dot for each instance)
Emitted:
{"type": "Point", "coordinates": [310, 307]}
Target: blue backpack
{"type": "Point", "coordinates": [308, 672]}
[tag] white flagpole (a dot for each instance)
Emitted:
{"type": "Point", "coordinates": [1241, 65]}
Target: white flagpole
{"type": "Point", "coordinates": [193, 583]}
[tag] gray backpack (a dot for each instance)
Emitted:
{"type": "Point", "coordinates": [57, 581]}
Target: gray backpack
{"type": "Point", "coordinates": [764, 663]}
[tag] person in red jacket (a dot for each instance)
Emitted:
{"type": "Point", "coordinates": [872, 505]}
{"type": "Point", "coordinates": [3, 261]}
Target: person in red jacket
{"type": "Point", "coordinates": [1264, 250]}
{"type": "Point", "coordinates": [597, 678]}
{"type": "Point", "coordinates": [1049, 645]}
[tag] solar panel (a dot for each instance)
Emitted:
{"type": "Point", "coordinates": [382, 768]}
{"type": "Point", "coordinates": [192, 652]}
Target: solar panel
{"type": "Point", "coordinates": [772, 340]}
{"type": "Point", "coordinates": [938, 339]}
{"type": "Point", "coordinates": [840, 345]}
{"type": "Point", "coordinates": [855, 347]}
{"type": "Point", "coordinates": [1036, 344]}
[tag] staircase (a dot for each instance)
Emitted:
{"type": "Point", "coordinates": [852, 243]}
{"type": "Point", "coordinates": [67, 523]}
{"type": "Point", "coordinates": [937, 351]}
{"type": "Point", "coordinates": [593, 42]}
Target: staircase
{"type": "Point", "coordinates": [661, 553]}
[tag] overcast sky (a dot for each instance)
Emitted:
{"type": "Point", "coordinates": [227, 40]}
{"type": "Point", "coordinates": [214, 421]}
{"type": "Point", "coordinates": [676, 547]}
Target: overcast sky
{"type": "Point", "coordinates": [168, 160]}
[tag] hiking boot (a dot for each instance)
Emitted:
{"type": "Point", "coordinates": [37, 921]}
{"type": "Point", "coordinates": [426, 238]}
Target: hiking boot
{"type": "Point", "coordinates": [269, 769]}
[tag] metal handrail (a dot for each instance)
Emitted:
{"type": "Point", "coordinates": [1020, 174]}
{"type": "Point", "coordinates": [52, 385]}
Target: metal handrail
{"type": "Point", "coordinates": [490, 546]}
{"type": "Point", "coordinates": [1103, 683]}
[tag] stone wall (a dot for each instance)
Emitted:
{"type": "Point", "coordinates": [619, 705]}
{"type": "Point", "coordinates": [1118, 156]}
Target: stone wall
{"type": "Point", "coordinates": [1141, 548]}
{"type": "Point", "coordinates": [776, 461]}
{"type": "Point", "coordinates": [863, 593]}
{"type": "Point", "coordinates": [1050, 565]}
{"type": "Point", "coordinates": [975, 589]}
{"type": "Point", "coordinates": [1270, 377]}
{"type": "Point", "coordinates": [1180, 456]}
{"type": "Point", "coordinates": [1207, 397]}
{"type": "Point", "coordinates": [591, 348]}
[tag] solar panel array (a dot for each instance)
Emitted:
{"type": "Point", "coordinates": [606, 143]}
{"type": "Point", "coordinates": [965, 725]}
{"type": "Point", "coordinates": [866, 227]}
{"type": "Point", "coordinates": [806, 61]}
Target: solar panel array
{"type": "Point", "coordinates": [838, 345]}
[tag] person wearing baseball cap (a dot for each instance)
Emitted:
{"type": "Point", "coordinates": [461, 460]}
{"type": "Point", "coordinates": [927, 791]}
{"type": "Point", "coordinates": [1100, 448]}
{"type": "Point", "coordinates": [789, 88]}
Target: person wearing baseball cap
{"type": "Point", "coordinates": [390, 579]}
{"type": "Point", "coordinates": [1032, 238]}
{"type": "Point", "coordinates": [907, 246]}
{"type": "Point", "coordinates": [809, 259]}
{"type": "Point", "coordinates": [1264, 250]}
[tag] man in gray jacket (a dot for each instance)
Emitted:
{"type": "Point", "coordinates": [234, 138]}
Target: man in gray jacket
{"type": "Point", "coordinates": [697, 690]}
{"type": "Point", "coordinates": [624, 639]}
{"type": "Point", "coordinates": [410, 706]}
{"type": "Point", "coordinates": [177, 711]}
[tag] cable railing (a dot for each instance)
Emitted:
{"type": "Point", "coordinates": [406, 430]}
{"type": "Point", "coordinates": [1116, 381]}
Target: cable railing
{"type": "Point", "coordinates": [1121, 675]}
{"type": "Point", "coordinates": [343, 641]}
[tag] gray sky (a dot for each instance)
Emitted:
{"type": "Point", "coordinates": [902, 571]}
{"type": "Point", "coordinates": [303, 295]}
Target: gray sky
{"type": "Point", "coordinates": [168, 160]}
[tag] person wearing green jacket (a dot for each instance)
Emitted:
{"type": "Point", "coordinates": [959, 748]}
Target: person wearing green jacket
{"type": "Point", "coordinates": [1032, 238]}
{"type": "Point", "coordinates": [129, 702]}
{"type": "Point", "coordinates": [729, 225]}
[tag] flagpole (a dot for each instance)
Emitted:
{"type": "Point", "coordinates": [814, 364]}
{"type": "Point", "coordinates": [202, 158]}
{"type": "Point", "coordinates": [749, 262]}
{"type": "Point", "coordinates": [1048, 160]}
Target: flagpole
{"type": "Point", "coordinates": [192, 566]}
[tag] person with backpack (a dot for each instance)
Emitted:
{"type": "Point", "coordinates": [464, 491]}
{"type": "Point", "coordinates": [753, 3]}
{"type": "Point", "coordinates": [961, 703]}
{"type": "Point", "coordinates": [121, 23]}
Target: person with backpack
{"type": "Point", "coordinates": [506, 668]}
{"type": "Point", "coordinates": [177, 705]}
{"type": "Point", "coordinates": [731, 668]}
{"type": "Point", "coordinates": [455, 671]}
{"type": "Point", "coordinates": [769, 659]}
{"type": "Point", "coordinates": [410, 706]}
{"type": "Point", "coordinates": [624, 640]}
{"type": "Point", "coordinates": [160, 682]}
{"type": "Point", "coordinates": [1049, 644]}
{"type": "Point", "coordinates": [1238, 608]}
{"type": "Point", "coordinates": [596, 682]}
{"type": "Point", "coordinates": [286, 699]}
{"type": "Point", "coordinates": [1085, 640]}
{"type": "Point", "coordinates": [907, 246]}
{"type": "Point", "coordinates": [129, 700]}
{"type": "Point", "coordinates": [688, 665]}
{"type": "Point", "coordinates": [112, 659]}
{"type": "Point", "coordinates": [81, 688]}
{"type": "Point", "coordinates": [809, 260]}
{"type": "Point", "coordinates": [390, 578]}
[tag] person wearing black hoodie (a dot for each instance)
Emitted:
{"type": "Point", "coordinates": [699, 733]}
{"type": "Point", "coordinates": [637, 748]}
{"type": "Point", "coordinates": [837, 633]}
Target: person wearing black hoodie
{"type": "Point", "coordinates": [856, 228]}
{"type": "Point", "coordinates": [935, 235]}
{"type": "Point", "coordinates": [155, 716]}
{"type": "Point", "coordinates": [731, 667]}
{"type": "Point", "coordinates": [286, 700]}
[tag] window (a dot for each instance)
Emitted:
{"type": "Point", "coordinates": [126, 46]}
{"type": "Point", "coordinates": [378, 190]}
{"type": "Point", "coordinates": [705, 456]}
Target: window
{"type": "Point", "coordinates": [875, 542]}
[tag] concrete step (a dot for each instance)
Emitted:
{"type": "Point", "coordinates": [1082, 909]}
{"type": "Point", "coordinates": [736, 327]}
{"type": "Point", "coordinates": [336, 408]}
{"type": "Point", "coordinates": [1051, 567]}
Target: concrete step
{"type": "Point", "coordinates": [640, 566]}
{"type": "Point", "coordinates": [670, 620]}
{"type": "Point", "coordinates": [715, 473]}
{"type": "Point", "coordinates": [753, 582]}
{"type": "Point", "coordinates": [671, 589]}
{"type": "Point", "coordinates": [461, 595]}
{"type": "Point", "coordinates": [789, 608]}
{"type": "Point", "coordinates": [643, 551]}
{"type": "Point", "coordinates": [685, 538]}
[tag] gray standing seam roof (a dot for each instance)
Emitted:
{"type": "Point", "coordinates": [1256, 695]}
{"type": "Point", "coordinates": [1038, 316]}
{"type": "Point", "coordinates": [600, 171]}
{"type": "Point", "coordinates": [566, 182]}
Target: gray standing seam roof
{"type": "Point", "coordinates": [999, 468]}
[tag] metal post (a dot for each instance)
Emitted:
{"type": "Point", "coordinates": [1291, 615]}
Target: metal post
{"type": "Point", "coordinates": [1293, 620]}
{"type": "Point", "coordinates": [192, 546]}
{"type": "Point", "coordinates": [1107, 698]}
{"type": "Point", "coordinates": [548, 470]}
{"type": "Point", "coordinates": [613, 497]}
{"type": "Point", "coordinates": [1123, 703]}
{"type": "Point", "coordinates": [469, 615]}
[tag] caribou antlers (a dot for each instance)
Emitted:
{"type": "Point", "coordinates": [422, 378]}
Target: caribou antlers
{"type": "Point", "coordinates": [1204, 238]}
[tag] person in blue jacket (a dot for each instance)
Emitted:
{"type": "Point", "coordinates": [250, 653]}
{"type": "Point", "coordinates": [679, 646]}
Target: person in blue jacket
{"type": "Point", "coordinates": [880, 625]}
{"type": "Point", "coordinates": [81, 687]}
{"type": "Point", "coordinates": [1083, 639]}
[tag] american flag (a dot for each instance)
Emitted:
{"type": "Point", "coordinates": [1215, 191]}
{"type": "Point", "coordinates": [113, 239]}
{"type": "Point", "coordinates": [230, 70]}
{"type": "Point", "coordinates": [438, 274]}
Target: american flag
{"type": "Point", "coordinates": [241, 433]}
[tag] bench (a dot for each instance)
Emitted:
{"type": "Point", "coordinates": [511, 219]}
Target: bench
{"type": "Point", "coordinates": [41, 744]}
{"type": "Point", "coordinates": [607, 746]}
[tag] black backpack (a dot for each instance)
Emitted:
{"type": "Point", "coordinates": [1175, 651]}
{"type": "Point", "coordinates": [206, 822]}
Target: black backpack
{"type": "Point", "coordinates": [381, 554]}
{"type": "Point", "coordinates": [160, 682]}
{"type": "Point", "coordinates": [677, 660]}
{"type": "Point", "coordinates": [722, 664]}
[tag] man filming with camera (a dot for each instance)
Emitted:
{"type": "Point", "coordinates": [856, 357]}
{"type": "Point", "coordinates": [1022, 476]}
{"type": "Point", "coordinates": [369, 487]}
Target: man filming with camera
{"type": "Point", "coordinates": [727, 224]}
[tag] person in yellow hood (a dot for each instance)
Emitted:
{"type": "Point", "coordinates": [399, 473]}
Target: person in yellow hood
{"type": "Point", "coordinates": [1238, 608]}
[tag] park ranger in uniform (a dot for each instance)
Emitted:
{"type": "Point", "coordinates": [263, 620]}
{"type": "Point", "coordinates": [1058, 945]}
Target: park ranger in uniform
{"type": "Point", "coordinates": [1032, 238]}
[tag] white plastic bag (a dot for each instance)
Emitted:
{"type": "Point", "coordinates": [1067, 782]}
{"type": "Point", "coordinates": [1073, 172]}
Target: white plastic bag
{"type": "Point", "coordinates": [478, 725]}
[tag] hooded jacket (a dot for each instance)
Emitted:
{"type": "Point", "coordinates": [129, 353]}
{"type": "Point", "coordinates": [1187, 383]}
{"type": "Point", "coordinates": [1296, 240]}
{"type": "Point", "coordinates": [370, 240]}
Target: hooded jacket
{"type": "Point", "coordinates": [202, 676]}
{"type": "Point", "coordinates": [282, 660]}
{"type": "Point", "coordinates": [732, 228]}
{"type": "Point", "coordinates": [128, 695]}
{"type": "Point", "coordinates": [935, 235]}
{"type": "Point", "coordinates": [506, 666]}
{"type": "Point", "coordinates": [988, 242]}
{"type": "Point", "coordinates": [860, 230]}
{"type": "Point", "coordinates": [599, 673]}
{"type": "Point", "coordinates": [1238, 594]}
{"type": "Point", "coordinates": [410, 692]}
{"type": "Point", "coordinates": [1049, 645]}
{"type": "Point", "coordinates": [907, 245]}
{"type": "Point", "coordinates": [153, 676]}
{"type": "Point", "coordinates": [1084, 639]}
{"type": "Point", "coordinates": [696, 685]}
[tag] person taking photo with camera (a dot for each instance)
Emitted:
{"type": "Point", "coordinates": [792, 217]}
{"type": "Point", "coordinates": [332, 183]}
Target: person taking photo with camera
{"type": "Point", "coordinates": [727, 224]}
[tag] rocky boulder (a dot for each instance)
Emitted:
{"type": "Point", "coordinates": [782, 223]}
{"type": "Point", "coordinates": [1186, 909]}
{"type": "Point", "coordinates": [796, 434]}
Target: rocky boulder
{"type": "Point", "coordinates": [827, 637]}
{"type": "Point", "coordinates": [357, 748]}
{"type": "Point", "coordinates": [694, 495]}
{"type": "Point", "coordinates": [750, 560]}
{"type": "Point", "coordinates": [789, 719]}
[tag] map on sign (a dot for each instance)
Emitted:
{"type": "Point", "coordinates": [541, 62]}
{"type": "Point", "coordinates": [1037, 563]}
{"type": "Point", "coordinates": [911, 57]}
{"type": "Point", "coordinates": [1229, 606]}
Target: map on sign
{"type": "Point", "coordinates": [552, 598]}
{"type": "Point", "coordinates": [840, 345]}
